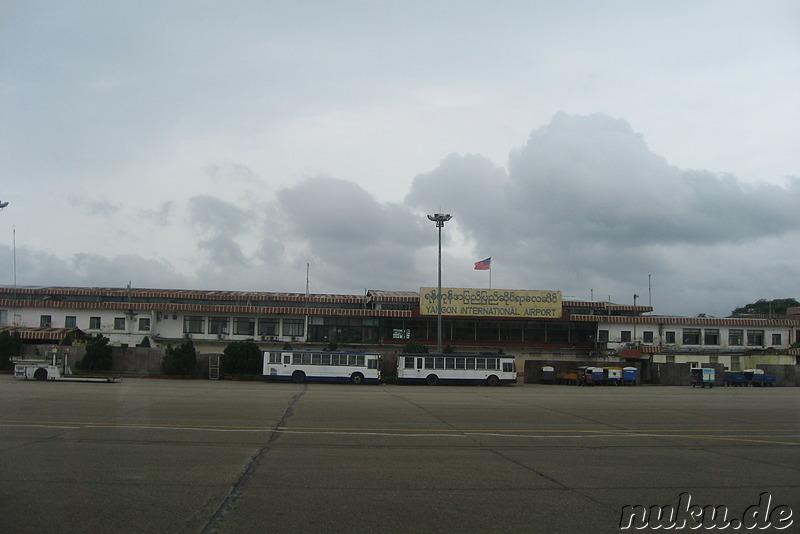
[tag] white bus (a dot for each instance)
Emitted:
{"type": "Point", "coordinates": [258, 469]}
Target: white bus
{"type": "Point", "coordinates": [301, 365]}
{"type": "Point", "coordinates": [491, 369]}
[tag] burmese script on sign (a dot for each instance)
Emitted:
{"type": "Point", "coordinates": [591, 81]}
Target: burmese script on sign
{"type": "Point", "coordinates": [491, 302]}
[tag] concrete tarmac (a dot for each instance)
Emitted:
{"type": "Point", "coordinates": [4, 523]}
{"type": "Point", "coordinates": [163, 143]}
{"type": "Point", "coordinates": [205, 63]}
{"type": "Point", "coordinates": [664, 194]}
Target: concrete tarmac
{"type": "Point", "coordinates": [201, 456]}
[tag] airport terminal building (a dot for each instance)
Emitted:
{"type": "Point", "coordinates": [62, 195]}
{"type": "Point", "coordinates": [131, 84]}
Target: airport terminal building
{"type": "Point", "coordinates": [532, 324]}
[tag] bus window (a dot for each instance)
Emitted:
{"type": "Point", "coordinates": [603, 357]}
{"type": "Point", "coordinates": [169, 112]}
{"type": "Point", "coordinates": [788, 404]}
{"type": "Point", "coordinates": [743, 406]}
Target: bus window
{"type": "Point", "coordinates": [409, 363]}
{"type": "Point", "coordinates": [508, 367]}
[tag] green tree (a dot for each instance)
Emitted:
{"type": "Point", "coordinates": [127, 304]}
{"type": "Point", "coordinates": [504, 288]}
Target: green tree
{"type": "Point", "coordinates": [242, 357]}
{"type": "Point", "coordinates": [145, 342]}
{"type": "Point", "coordinates": [413, 347]}
{"type": "Point", "coordinates": [10, 345]}
{"type": "Point", "coordinates": [98, 355]}
{"type": "Point", "coordinates": [765, 307]}
{"type": "Point", "coordinates": [66, 341]}
{"type": "Point", "coordinates": [181, 360]}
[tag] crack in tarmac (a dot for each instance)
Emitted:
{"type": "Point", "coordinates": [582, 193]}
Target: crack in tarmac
{"type": "Point", "coordinates": [236, 491]}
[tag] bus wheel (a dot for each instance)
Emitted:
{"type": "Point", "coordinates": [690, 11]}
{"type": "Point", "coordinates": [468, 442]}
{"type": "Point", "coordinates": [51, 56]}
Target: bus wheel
{"type": "Point", "coordinates": [298, 377]}
{"type": "Point", "coordinates": [493, 380]}
{"type": "Point", "coordinates": [40, 374]}
{"type": "Point", "coordinates": [432, 380]}
{"type": "Point", "coordinates": [357, 378]}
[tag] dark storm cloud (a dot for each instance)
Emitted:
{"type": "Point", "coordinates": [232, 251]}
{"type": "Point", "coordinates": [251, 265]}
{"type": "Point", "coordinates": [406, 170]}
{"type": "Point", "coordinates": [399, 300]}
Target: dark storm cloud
{"type": "Point", "coordinates": [586, 204]}
{"type": "Point", "coordinates": [593, 180]}
{"type": "Point", "coordinates": [219, 223]}
{"type": "Point", "coordinates": [352, 238]}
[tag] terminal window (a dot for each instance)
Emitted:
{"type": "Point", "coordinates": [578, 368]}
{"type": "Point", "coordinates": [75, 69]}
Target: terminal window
{"type": "Point", "coordinates": [755, 338]}
{"type": "Point", "coordinates": [193, 325]}
{"type": "Point", "coordinates": [293, 327]}
{"type": "Point", "coordinates": [267, 327]}
{"type": "Point", "coordinates": [218, 325]}
{"type": "Point", "coordinates": [691, 336]}
{"type": "Point", "coordinates": [711, 337]}
{"type": "Point", "coordinates": [244, 326]}
{"type": "Point", "coordinates": [736, 337]}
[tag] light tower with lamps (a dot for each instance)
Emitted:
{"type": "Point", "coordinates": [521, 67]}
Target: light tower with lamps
{"type": "Point", "coordinates": [439, 219]}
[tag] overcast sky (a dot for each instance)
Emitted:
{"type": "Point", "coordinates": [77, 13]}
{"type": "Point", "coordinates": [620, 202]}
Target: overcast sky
{"type": "Point", "coordinates": [588, 147]}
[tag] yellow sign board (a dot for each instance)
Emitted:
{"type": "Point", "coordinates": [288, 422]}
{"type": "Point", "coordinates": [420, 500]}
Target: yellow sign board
{"type": "Point", "coordinates": [491, 302]}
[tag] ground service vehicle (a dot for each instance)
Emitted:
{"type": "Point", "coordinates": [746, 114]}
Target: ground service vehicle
{"type": "Point", "coordinates": [587, 375]}
{"type": "Point", "coordinates": [591, 376]}
{"type": "Point", "coordinates": [734, 378]}
{"type": "Point", "coordinates": [51, 370]}
{"type": "Point", "coordinates": [548, 375]}
{"type": "Point", "coordinates": [301, 365]}
{"type": "Point", "coordinates": [432, 369]}
{"type": "Point", "coordinates": [757, 377]}
{"type": "Point", "coordinates": [702, 377]}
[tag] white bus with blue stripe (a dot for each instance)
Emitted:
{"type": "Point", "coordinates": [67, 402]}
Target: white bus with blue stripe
{"type": "Point", "coordinates": [323, 366]}
{"type": "Point", "coordinates": [433, 369]}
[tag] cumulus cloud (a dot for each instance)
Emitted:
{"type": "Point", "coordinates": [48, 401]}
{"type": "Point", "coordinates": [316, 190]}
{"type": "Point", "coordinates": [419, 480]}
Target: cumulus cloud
{"type": "Point", "coordinates": [35, 267]}
{"type": "Point", "coordinates": [354, 239]}
{"type": "Point", "coordinates": [584, 206]}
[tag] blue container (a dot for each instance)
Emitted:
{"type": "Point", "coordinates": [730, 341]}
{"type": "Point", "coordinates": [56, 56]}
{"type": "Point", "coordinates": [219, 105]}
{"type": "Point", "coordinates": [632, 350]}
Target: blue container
{"type": "Point", "coordinates": [629, 376]}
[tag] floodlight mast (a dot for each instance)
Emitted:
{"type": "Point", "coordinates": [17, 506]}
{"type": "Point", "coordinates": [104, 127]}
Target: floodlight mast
{"type": "Point", "coordinates": [439, 219]}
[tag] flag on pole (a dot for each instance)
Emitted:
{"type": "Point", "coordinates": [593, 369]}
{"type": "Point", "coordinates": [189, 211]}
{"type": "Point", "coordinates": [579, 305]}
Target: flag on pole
{"type": "Point", "coordinates": [483, 265]}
